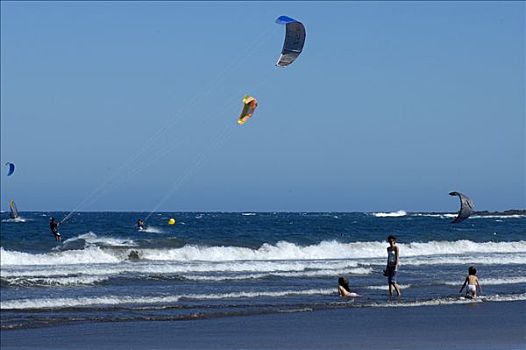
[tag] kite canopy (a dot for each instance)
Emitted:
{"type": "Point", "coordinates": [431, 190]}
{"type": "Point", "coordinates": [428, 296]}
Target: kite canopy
{"type": "Point", "coordinates": [11, 168]}
{"type": "Point", "coordinates": [249, 106]}
{"type": "Point", "coordinates": [466, 207]}
{"type": "Point", "coordinates": [294, 40]}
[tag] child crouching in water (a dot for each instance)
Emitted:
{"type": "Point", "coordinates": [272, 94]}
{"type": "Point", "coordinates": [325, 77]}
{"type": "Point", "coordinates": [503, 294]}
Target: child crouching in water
{"type": "Point", "coordinates": [344, 290]}
{"type": "Point", "coordinates": [473, 283]}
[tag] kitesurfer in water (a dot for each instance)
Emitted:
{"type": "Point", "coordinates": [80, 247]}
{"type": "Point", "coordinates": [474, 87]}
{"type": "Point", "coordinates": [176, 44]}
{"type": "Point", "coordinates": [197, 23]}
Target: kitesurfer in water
{"type": "Point", "coordinates": [141, 225]}
{"type": "Point", "coordinates": [133, 256]}
{"type": "Point", "coordinates": [53, 226]}
{"type": "Point", "coordinates": [393, 264]}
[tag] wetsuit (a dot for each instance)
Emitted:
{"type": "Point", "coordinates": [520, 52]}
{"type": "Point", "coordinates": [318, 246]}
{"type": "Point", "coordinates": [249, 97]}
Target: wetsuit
{"type": "Point", "coordinates": [53, 226]}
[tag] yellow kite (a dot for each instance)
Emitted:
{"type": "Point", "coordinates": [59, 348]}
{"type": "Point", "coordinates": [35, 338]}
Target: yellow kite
{"type": "Point", "coordinates": [249, 106]}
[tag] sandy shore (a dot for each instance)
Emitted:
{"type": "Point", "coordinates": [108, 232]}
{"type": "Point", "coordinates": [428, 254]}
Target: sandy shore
{"type": "Point", "coordinates": [473, 326]}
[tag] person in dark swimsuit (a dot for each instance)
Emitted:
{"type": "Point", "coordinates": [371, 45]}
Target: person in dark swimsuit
{"type": "Point", "coordinates": [393, 264]}
{"type": "Point", "coordinates": [53, 226]}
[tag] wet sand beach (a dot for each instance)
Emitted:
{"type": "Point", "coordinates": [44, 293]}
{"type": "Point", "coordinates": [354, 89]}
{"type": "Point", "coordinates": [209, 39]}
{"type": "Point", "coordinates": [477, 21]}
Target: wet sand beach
{"type": "Point", "coordinates": [468, 326]}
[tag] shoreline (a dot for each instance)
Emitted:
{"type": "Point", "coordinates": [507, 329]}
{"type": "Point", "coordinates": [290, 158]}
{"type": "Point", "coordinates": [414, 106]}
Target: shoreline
{"type": "Point", "coordinates": [486, 326]}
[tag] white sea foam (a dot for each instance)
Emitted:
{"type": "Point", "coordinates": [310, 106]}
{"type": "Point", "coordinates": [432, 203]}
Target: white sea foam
{"type": "Point", "coordinates": [248, 214]}
{"type": "Point", "coordinates": [385, 287]}
{"type": "Point", "coordinates": [493, 281]}
{"type": "Point", "coordinates": [394, 214]}
{"type": "Point", "coordinates": [56, 303]}
{"type": "Point", "coordinates": [441, 216]}
{"type": "Point", "coordinates": [454, 215]}
{"type": "Point", "coordinates": [45, 303]}
{"type": "Point", "coordinates": [152, 229]}
{"type": "Point", "coordinates": [517, 216]}
{"type": "Point", "coordinates": [92, 238]}
{"type": "Point", "coordinates": [82, 256]}
{"type": "Point", "coordinates": [329, 250]}
{"type": "Point", "coordinates": [434, 252]}
{"type": "Point", "coordinates": [508, 297]}
{"type": "Point", "coordinates": [114, 300]}
{"type": "Point", "coordinates": [16, 220]}
{"type": "Point", "coordinates": [478, 259]}
{"type": "Point", "coordinates": [461, 247]}
{"type": "Point", "coordinates": [226, 278]}
{"type": "Point", "coordinates": [451, 301]}
{"type": "Point", "coordinates": [260, 294]}
{"type": "Point", "coordinates": [177, 268]}
{"type": "Point", "coordinates": [56, 281]}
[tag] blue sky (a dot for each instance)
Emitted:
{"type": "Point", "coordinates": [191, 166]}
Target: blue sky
{"type": "Point", "coordinates": [133, 106]}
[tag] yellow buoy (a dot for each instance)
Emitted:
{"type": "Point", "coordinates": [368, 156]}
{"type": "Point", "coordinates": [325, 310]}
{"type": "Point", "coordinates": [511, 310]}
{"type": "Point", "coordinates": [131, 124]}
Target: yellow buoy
{"type": "Point", "coordinates": [171, 221]}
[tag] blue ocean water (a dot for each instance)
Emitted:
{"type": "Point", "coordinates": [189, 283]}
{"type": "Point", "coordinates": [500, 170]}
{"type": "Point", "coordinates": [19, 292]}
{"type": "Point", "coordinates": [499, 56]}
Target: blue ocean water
{"type": "Point", "coordinates": [226, 264]}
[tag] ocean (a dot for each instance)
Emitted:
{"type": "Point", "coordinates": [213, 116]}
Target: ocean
{"type": "Point", "coordinates": [211, 265]}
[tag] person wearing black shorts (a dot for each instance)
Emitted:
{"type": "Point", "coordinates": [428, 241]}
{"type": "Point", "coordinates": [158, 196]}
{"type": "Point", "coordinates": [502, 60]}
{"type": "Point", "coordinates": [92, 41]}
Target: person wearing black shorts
{"type": "Point", "coordinates": [53, 226]}
{"type": "Point", "coordinates": [393, 264]}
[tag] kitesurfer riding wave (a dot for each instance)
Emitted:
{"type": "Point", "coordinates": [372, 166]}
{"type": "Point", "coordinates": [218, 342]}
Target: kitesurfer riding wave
{"type": "Point", "coordinates": [53, 226]}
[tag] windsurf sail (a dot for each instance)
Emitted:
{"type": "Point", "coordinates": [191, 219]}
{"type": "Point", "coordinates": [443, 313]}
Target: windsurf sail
{"type": "Point", "coordinates": [249, 106]}
{"type": "Point", "coordinates": [14, 211]}
{"type": "Point", "coordinates": [466, 207]}
{"type": "Point", "coordinates": [294, 40]}
{"type": "Point", "coordinates": [10, 168]}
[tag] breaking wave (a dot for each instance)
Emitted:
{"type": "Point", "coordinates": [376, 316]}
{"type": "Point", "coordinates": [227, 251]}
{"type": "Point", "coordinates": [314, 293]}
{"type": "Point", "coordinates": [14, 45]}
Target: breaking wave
{"type": "Point", "coordinates": [460, 300]}
{"type": "Point", "coordinates": [53, 281]}
{"type": "Point", "coordinates": [152, 229]}
{"type": "Point", "coordinates": [441, 216]}
{"type": "Point", "coordinates": [394, 214]}
{"type": "Point", "coordinates": [81, 256]}
{"type": "Point", "coordinates": [385, 287]}
{"type": "Point", "coordinates": [494, 281]}
{"type": "Point", "coordinates": [115, 300]}
{"type": "Point", "coordinates": [47, 303]}
{"type": "Point", "coordinates": [282, 251]}
{"type": "Point", "coordinates": [515, 216]}
{"type": "Point", "coordinates": [93, 239]}
{"type": "Point", "coordinates": [16, 220]}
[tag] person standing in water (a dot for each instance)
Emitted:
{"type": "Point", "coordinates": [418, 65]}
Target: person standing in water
{"type": "Point", "coordinates": [393, 264]}
{"type": "Point", "coordinates": [53, 226]}
{"type": "Point", "coordinates": [473, 283]}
